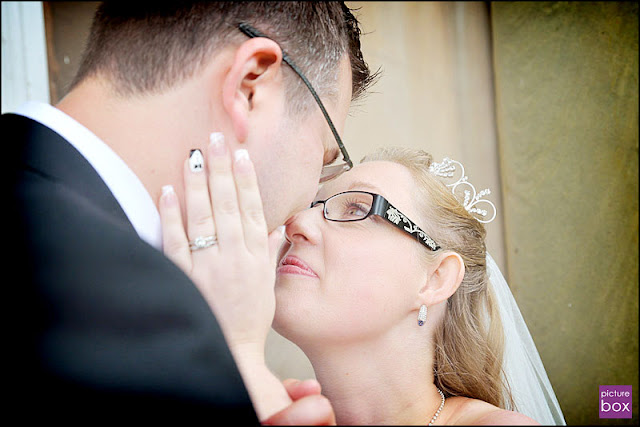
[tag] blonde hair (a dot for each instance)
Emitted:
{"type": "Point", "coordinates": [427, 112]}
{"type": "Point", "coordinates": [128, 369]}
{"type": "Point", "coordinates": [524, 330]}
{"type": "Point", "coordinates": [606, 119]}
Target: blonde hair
{"type": "Point", "coordinates": [468, 344]}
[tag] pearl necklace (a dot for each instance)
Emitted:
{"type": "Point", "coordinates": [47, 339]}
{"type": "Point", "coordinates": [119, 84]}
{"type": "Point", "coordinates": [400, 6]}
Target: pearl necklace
{"type": "Point", "coordinates": [435, 416]}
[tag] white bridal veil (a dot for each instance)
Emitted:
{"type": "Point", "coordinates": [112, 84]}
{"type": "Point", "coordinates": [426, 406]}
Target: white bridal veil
{"type": "Point", "coordinates": [530, 386]}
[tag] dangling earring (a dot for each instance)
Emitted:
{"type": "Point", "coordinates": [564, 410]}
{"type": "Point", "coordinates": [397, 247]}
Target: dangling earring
{"type": "Point", "coordinates": [422, 315]}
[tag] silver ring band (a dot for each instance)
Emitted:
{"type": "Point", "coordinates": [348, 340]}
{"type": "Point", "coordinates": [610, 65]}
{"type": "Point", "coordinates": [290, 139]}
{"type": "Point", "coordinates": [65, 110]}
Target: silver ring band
{"type": "Point", "coordinates": [202, 242]}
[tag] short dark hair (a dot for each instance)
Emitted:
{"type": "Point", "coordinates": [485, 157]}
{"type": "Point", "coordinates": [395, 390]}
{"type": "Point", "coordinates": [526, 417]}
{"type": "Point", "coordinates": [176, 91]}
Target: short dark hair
{"type": "Point", "coordinates": [149, 46]}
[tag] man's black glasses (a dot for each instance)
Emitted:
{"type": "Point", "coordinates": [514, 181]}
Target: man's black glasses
{"type": "Point", "coordinates": [328, 171]}
{"type": "Point", "coordinates": [359, 205]}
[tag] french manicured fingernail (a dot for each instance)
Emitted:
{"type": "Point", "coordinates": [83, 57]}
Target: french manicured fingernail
{"type": "Point", "coordinates": [243, 163]}
{"type": "Point", "coordinates": [216, 143]}
{"type": "Point", "coordinates": [241, 155]}
{"type": "Point", "coordinates": [166, 189]}
{"type": "Point", "coordinates": [168, 195]}
{"type": "Point", "coordinates": [196, 160]}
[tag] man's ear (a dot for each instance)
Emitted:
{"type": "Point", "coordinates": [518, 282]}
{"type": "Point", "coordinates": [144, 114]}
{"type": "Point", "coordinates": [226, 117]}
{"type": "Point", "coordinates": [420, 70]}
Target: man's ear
{"type": "Point", "coordinates": [257, 63]}
{"type": "Point", "coordinates": [444, 278]}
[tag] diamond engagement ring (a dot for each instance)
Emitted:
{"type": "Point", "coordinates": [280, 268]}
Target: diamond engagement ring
{"type": "Point", "coordinates": [202, 242]}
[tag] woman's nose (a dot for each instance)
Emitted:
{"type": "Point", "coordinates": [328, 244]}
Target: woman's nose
{"type": "Point", "coordinates": [305, 226]}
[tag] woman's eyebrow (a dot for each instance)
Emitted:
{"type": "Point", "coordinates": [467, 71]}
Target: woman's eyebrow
{"type": "Point", "coordinates": [360, 185]}
{"type": "Point", "coordinates": [363, 185]}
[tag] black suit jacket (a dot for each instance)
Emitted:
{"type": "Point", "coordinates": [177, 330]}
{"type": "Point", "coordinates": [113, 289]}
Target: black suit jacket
{"type": "Point", "coordinates": [102, 321]}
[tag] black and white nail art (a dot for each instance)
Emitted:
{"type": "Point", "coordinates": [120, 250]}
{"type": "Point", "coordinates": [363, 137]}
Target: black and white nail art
{"type": "Point", "coordinates": [196, 161]}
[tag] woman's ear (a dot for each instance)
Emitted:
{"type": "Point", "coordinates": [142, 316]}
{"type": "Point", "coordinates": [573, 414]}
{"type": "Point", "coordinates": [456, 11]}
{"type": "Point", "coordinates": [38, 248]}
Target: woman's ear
{"type": "Point", "coordinates": [256, 65]}
{"type": "Point", "coordinates": [444, 278]}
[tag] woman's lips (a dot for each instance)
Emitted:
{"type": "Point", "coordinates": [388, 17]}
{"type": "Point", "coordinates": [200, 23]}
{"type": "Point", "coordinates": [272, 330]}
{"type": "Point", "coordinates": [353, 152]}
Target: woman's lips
{"type": "Point", "coordinates": [294, 265]}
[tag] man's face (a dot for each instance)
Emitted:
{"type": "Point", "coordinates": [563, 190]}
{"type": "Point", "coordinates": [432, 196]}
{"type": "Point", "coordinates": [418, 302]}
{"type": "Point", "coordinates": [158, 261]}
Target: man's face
{"type": "Point", "coordinates": [294, 149]}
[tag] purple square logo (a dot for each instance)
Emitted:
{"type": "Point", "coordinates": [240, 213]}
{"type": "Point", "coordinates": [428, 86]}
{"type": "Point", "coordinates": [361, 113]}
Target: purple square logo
{"type": "Point", "coordinates": [615, 401]}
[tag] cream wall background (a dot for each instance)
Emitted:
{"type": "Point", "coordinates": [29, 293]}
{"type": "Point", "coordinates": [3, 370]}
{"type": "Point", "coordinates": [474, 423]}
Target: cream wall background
{"type": "Point", "coordinates": [539, 100]}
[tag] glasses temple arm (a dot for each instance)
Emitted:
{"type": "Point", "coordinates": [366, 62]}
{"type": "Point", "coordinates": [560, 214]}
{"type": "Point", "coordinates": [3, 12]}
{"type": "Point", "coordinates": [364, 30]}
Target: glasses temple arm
{"type": "Point", "coordinates": [252, 32]}
{"type": "Point", "coordinates": [386, 210]}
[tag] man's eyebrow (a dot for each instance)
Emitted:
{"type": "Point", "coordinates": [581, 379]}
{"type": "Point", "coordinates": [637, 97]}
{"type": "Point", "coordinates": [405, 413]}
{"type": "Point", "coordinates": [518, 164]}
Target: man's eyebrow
{"type": "Point", "coordinates": [333, 155]}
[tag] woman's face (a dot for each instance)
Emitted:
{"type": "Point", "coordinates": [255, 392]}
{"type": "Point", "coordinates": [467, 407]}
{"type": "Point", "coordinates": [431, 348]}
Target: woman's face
{"type": "Point", "coordinates": [342, 282]}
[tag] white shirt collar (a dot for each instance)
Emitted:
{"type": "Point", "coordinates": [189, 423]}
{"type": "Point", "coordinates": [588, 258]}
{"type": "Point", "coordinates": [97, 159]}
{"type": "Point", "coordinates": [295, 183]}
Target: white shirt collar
{"type": "Point", "coordinates": [123, 183]}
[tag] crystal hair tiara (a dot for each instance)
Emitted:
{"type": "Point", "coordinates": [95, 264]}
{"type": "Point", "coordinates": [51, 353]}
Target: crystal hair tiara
{"type": "Point", "coordinates": [447, 169]}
